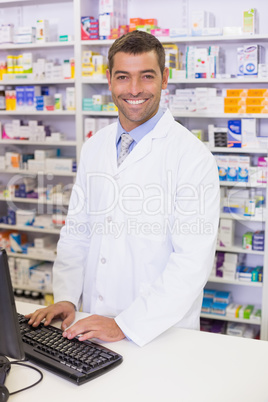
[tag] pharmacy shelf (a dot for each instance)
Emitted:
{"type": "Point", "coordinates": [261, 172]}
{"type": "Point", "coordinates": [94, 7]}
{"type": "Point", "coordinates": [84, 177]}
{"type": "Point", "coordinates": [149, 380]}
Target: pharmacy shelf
{"type": "Point", "coordinates": [37, 113]}
{"type": "Point", "coordinates": [225, 318]}
{"type": "Point", "coordinates": [188, 39]}
{"type": "Point", "coordinates": [40, 257]}
{"type": "Point", "coordinates": [239, 150]}
{"type": "Point", "coordinates": [192, 81]}
{"type": "Point", "coordinates": [26, 228]}
{"type": "Point", "coordinates": [17, 46]}
{"type": "Point", "coordinates": [217, 279]}
{"type": "Point", "coordinates": [211, 115]}
{"type": "Point", "coordinates": [25, 81]}
{"type": "Point", "coordinates": [15, 3]}
{"type": "Point", "coordinates": [237, 249]}
{"type": "Point", "coordinates": [92, 113]}
{"type": "Point", "coordinates": [239, 217]}
{"type": "Point", "coordinates": [242, 184]}
{"type": "Point", "coordinates": [45, 172]}
{"type": "Point", "coordinates": [32, 289]}
{"type": "Point", "coordinates": [32, 201]}
{"type": "Point", "coordinates": [218, 81]}
{"type": "Point", "coordinates": [93, 81]}
{"type": "Point", "coordinates": [46, 143]}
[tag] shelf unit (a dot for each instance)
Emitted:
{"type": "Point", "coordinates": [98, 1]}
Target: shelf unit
{"type": "Point", "coordinates": [224, 318]}
{"type": "Point", "coordinates": [81, 84]}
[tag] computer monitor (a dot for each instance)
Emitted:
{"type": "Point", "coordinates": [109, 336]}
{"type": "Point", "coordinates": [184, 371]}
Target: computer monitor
{"type": "Point", "coordinates": [10, 338]}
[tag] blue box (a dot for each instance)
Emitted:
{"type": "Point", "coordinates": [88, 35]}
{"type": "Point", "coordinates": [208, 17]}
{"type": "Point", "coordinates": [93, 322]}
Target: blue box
{"type": "Point", "coordinates": [234, 136]}
{"type": "Point", "coordinates": [20, 97]}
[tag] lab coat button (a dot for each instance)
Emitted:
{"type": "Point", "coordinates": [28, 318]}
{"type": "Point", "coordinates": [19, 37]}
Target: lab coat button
{"type": "Point", "coordinates": [109, 219]}
{"type": "Point", "coordinates": [103, 260]}
{"type": "Point", "coordinates": [100, 298]}
{"type": "Point", "coordinates": [116, 177]}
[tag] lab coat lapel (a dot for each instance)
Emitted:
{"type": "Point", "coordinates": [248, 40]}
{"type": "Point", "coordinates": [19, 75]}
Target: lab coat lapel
{"type": "Point", "coordinates": [145, 145]}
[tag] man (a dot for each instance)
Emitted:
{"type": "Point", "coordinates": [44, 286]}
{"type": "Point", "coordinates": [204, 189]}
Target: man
{"type": "Point", "coordinates": [139, 239]}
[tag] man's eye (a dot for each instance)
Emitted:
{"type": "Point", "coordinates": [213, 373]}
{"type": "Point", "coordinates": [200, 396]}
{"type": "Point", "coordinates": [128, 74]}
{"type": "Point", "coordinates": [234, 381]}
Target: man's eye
{"type": "Point", "coordinates": [148, 77]}
{"type": "Point", "coordinates": [121, 77]}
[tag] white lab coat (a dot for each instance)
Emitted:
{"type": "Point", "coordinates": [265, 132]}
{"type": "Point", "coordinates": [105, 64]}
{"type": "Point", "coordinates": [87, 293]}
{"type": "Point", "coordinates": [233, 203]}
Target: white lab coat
{"type": "Point", "coordinates": [139, 240]}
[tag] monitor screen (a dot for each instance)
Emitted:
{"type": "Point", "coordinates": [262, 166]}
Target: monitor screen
{"type": "Point", "coordinates": [10, 338]}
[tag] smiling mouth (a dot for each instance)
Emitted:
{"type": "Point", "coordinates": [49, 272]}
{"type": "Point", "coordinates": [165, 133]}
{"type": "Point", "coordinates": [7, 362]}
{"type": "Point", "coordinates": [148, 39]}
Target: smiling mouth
{"type": "Point", "coordinates": [135, 102]}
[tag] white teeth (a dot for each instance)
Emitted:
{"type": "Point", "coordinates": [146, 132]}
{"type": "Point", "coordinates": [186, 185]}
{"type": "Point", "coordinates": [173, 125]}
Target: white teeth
{"type": "Point", "coordinates": [135, 102]}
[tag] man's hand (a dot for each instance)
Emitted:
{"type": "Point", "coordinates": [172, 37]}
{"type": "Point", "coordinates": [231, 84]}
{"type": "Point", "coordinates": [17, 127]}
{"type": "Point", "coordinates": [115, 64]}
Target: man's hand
{"type": "Point", "coordinates": [95, 326]}
{"type": "Point", "coordinates": [64, 310]}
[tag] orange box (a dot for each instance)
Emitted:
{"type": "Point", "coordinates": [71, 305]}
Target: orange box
{"type": "Point", "coordinates": [256, 101]}
{"type": "Point", "coordinates": [255, 92]}
{"type": "Point", "coordinates": [15, 160]}
{"type": "Point", "coordinates": [232, 101]}
{"type": "Point", "coordinates": [237, 92]}
{"type": "Point", "coordinates": [234, 109]}
{"type": "Point", "coordinates": [134, 22]}
{"type": "Point", "coordinates": [256, 109]}
{"type": "Point", "coordinates": [150, 21]}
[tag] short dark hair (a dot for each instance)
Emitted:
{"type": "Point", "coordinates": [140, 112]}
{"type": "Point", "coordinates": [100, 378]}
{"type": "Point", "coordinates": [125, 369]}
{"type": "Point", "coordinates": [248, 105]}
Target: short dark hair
{"type": "Point", "coordinates": [137, 42]}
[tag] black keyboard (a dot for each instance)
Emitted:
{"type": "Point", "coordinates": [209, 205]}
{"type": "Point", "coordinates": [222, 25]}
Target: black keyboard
{"type": "Point", "coordinates": [73, 360]}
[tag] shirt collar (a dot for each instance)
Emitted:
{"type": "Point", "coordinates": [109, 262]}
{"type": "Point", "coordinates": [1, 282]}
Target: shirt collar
{"type": "Point", "coordinates": [139, 132]}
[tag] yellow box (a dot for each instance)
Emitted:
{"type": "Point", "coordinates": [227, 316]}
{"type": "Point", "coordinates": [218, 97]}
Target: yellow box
{"type": "Point", "coordinates": [237, 92]}
{"type": "Point", "coordinates": [232, 101]}
{"type": "Point", "coordinates": [255, 92]}
{"type": "Point", "coordinates": [256, 109]}
{"type": "Point", "coordinates": [250, 101]}
{"type": "Point", "coordinates": [234, 109]}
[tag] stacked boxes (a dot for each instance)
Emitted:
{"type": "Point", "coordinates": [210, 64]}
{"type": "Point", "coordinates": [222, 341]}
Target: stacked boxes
{"type": "Point", "coordinates": [253, 100]}
{"type": "Point", "coordinates": [92, 125]}
{"type": "Point", "coordinates": [89, 28]}
{"type": "Point", "coordinates": [93, 64]}
{"type": "Point", "coordinates": [148, 25]}
{"type": "Point", "coordinates": [249, 57]}
{"type": "Point", "coordinates": [99, 103]}
{"type": "Point", "coordinates": [215, 302]}
{"type": "Point", "coordinates": [233, 167]}
{"type": "Point", "coordinates": [253, 241]}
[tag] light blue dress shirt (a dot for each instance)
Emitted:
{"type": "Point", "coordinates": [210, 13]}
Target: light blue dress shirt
{"type": "Point", "coordinates": [139, 132]}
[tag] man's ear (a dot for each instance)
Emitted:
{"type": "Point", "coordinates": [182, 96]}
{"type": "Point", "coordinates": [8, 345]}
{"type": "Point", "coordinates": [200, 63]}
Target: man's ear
{"type": "Point", "coordinates": [108, 76]}
{"type": "Point", "coordinates": [165, 78]}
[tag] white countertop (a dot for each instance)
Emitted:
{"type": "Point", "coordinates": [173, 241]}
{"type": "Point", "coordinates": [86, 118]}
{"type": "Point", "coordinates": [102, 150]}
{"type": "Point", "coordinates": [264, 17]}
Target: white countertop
{"type": "Point", "coordinates": [180, 365]}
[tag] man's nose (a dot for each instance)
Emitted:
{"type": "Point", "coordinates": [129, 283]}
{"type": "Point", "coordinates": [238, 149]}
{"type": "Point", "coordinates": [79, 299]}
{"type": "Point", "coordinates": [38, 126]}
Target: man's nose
{"type": "Point", "coordinates": [135, 87]}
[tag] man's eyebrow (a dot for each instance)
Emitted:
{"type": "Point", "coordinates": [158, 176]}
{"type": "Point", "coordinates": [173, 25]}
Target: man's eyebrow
{"type": "Point", "coordinates": [152, 71]}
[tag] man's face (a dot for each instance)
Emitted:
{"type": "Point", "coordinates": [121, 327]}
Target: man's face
{"type": "Point", "coordinates": [136, 83]}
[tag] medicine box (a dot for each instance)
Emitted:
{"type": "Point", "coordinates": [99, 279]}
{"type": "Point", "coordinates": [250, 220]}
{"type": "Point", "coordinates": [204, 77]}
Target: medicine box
{"type": "Point", "coordinates": [219, 308]}
{"type": "Point", "coordinates": [232, 170]}
{"type": "Point", "coordinates": [42, 31]}
{"type": "Point", "coordinates": [222, 297]}
{"type": "Point", "coordinates": [206, 305]}
{"type": "Point", "coordinates": [59, 164]}
{"type": "Point", "coordinates": [250, 21]}
{"type": "Point", "coordinates": [41, 154]}
{"type": "Point", "coordinates": [222, 162]}
{"type": "Point", "coordinates": [262, 169]}
{"type": "Point", "coordinates": [226, 233]}
{"type": "Point", "coordinates": [247, 241]}
{"type": "Point", "coordinates": [249, 132]}
{"type": "Point", "coordinates": [209, 293]}
{"type": "Point", "coordinates": [243, 168]}
{"type": "Point", "coordinates": [234, 134]}
{"type": "Point", "coordinates": [240, 61]}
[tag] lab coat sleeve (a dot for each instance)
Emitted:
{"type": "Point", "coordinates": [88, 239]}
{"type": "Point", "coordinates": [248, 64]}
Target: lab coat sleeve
{"type": "Point", "coordinates": [72, 248]}
{"type": "Point", "coordinates": [174, 293]}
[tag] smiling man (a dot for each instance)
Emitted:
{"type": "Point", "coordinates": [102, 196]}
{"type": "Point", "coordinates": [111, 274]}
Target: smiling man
{"type": "Point", "coordinates": [154, 182]}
